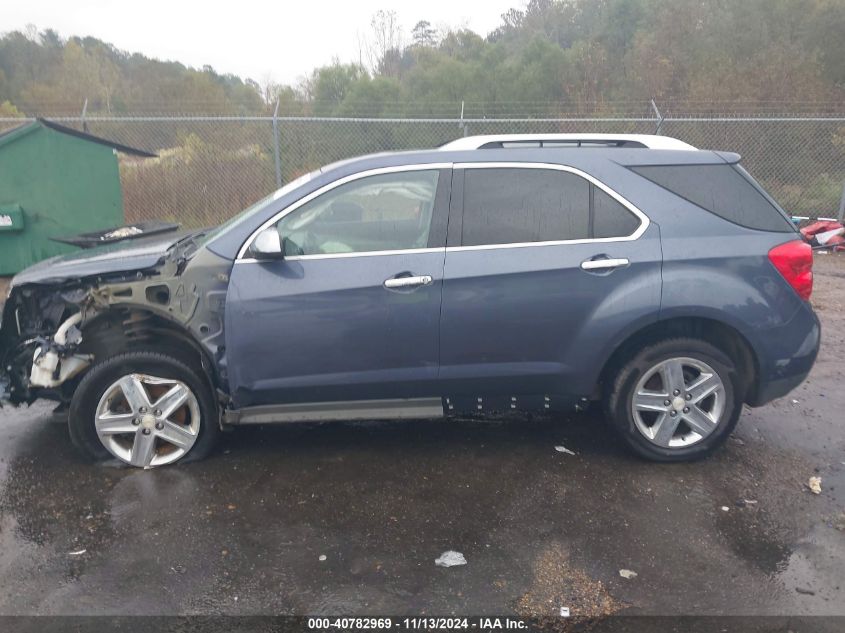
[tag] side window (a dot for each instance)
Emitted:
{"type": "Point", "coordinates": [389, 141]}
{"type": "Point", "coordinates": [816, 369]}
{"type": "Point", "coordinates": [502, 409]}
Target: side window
{"type": "Point", "coordinates": [510, 205]}
{"type": "Point", "coordinates": [724, 190]}
{"type": "Point", "coordinates": [375, 213]}
{"type": "Point", "coordinates": [610, 218]}
{"type": "Point", "coordinates": [513, 205]}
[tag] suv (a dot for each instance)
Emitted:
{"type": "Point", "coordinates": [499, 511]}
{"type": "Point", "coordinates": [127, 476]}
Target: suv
{"type": "Point", "coordinates": [530, 272]}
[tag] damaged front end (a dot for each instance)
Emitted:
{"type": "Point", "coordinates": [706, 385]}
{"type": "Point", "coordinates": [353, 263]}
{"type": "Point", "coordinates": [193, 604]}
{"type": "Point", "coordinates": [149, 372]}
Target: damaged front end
{"type": "Point", "coordinates": [62, 316]}
{"type": "Point", "coordinates": [39, 343]}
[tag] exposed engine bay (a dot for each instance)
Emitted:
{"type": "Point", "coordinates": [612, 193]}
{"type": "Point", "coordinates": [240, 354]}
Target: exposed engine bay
{"type": "Point", "coordinates": [58, 320]}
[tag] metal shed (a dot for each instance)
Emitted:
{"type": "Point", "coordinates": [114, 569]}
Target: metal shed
{"type": "Point", "coordinates": [55, 181]}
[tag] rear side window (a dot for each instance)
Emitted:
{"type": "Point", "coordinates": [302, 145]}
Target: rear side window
{"type": "Point", "coordinates": [610, 218]}
{"type": "Point", "coordinates": [504, 206]}
{"type": "Point", "coordinates": [519, 205]}
{"type": "Point", "coordinates": [721, 189]}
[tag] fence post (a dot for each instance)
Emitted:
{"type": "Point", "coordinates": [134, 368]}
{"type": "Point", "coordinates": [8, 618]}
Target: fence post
{"type": "Point", "coordinates": [82, 117]}
{"type": "Point", "coordinates": [276, 154]}
{"type": "Point", "coordinates": [841, 214]}
{"type": "Point", "coordinates": [659, 117]}
{"type": "Point", "coordinates": [462, 125]}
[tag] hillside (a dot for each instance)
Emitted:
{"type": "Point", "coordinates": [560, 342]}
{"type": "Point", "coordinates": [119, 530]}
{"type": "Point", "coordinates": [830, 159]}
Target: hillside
{"type": "Point", "coordinates": [554, 56]}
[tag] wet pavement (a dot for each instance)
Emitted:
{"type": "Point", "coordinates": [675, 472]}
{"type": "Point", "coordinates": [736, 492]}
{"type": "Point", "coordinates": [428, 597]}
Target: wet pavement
{"type": "Point", "coordinates": [244, 532]}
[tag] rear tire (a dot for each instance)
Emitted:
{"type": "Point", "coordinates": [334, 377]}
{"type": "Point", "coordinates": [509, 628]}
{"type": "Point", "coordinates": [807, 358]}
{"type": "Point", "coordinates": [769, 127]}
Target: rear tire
{"type": "Point", "coordinates": [146, 409]}
{"type": "Point", "coordinates": [675, 400]}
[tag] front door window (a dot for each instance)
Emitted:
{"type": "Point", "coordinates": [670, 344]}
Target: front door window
{"type": "Point", "coordinates": [385, 212]}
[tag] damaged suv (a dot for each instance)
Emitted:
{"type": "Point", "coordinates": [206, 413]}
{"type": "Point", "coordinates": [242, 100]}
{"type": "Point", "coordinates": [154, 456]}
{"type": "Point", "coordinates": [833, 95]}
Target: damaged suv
{"type": "Point", "coordinates": [492, 274]}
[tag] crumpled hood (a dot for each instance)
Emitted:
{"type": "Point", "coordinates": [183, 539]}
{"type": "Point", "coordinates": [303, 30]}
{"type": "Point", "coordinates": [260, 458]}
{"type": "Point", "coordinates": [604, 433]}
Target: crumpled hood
{"type": "Point", "coordinates": [125, 256]}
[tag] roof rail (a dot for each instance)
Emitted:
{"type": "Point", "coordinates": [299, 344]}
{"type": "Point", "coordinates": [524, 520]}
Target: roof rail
{"type": "Point", "coordinates": [491, 141]}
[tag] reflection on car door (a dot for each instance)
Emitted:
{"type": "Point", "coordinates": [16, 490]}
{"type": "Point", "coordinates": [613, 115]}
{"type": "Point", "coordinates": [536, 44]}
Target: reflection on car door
{"type": "Point", "coordinates": [352, 311]}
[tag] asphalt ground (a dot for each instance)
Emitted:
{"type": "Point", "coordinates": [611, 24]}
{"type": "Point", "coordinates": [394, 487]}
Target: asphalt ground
{"type": "Point", "coordinates": [348, 518]}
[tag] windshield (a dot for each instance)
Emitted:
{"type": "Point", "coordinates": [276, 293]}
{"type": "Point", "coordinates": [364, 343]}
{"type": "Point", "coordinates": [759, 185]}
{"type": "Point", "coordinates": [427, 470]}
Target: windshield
{"type": "Point", "coordinates": [250, 210]}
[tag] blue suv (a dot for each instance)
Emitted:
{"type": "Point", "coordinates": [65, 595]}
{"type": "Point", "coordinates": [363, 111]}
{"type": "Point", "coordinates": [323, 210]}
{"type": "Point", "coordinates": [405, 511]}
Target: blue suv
{"type": "Point", "coordinates": [498, 273]}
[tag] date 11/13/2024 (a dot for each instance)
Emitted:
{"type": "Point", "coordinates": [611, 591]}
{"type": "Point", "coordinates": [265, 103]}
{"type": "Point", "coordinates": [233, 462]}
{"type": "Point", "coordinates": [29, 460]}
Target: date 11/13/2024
{"type": "Point", "coordinates": [484, 623]}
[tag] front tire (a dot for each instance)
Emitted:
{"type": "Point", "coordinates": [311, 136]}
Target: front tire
{"type": "Point", "coordinates": [676, 400]}
{"type": "Point", "coordinates": [146, 409]}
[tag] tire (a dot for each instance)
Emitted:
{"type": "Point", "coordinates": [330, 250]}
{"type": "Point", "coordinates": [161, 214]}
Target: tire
{"type": "Point", "coordinates": [646, 374]}
{"type": "Point", "coordinates": [155, 430]}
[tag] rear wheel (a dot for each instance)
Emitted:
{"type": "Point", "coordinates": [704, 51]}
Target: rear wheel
{"type": "Point", "coordinates": [146, 409]}
{"type": "Point", "coordinates": [676, 400]}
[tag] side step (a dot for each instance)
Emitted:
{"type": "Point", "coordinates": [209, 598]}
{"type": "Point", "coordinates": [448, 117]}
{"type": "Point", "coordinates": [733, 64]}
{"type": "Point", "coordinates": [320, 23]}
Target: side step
{"type": "Point", "coordinates": [413, 408]}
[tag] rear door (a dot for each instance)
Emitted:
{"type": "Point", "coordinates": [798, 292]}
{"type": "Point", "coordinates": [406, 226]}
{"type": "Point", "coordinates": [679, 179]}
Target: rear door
{"type": "Point", "coordinates": [352, 311]}
{"type": "Point", "coordinates": [545, 266]}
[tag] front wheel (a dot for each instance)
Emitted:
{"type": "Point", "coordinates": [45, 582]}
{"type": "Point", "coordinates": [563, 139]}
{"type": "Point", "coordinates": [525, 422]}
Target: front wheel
{"type": "Point", "coordinates": [146, 409]}
{"type": "Point", "coordinates": [676, 400]}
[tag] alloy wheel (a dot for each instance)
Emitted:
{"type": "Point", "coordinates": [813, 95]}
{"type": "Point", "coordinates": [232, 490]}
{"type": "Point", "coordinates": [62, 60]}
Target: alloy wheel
{"type": "Point", "coordinates": [678, 402]}
{"type": "Point", "coordinates": [147, 421]}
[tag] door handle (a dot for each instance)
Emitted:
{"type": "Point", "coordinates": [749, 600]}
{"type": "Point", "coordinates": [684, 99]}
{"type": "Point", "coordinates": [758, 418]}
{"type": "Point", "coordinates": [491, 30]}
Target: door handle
{"type": "Point", "coordinates": [407, 282]}
{"type": "Point", "coordinates": [604, 264]}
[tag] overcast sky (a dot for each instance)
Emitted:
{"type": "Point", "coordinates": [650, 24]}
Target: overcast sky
{"type": "Point", "coordinates": [280, 40]}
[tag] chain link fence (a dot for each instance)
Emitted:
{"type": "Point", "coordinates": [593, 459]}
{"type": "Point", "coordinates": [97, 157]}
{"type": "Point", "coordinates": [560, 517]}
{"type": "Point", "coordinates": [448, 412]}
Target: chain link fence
{"type": "Point", "coordinates": [209, 168]}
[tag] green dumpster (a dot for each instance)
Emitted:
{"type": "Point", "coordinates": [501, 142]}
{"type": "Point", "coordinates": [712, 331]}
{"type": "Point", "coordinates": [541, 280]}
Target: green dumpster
{"type": "Point", "coordinates": [54, 182]}
{"type": "Point", "coordinates": [11, 218]}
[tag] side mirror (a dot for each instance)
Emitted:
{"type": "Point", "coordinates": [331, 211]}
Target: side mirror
{"type": "Point", "coordinates": [267, 245]}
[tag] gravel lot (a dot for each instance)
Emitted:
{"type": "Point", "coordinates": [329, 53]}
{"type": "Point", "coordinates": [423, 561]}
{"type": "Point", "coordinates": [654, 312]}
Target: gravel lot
{"type": "Point", "coordinates": [245, 532]}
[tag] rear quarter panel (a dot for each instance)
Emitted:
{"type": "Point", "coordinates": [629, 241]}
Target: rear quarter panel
{"type": "Point", "coordinates": [715, 269]}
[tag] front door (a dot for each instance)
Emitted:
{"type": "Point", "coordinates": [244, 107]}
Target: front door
{"type": "Point", "coordinates": [352, 311]}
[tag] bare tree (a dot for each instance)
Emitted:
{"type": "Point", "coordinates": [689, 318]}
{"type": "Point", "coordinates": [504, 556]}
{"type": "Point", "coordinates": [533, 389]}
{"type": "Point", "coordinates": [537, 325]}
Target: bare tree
{"type": "Point", "coordinates": [268, 88]}
{"type": "Point", "coordinates": [30, 32]}
{"type": "Point", "coordinates": [385, 46]}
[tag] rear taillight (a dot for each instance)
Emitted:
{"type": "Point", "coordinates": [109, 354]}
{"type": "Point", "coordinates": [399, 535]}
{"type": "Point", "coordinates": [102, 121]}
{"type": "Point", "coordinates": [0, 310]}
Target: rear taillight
{"type": "Point", "coordinates": [794, 260]}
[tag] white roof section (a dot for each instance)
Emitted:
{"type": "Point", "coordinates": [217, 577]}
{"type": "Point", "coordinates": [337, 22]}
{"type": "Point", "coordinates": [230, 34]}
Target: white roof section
{"type": "Point", "coordinates": [650, 141]}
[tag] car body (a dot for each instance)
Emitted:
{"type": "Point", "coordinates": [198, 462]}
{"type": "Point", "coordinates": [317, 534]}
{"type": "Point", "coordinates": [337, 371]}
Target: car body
{"type": "Point", "coordinates": [492, 274]}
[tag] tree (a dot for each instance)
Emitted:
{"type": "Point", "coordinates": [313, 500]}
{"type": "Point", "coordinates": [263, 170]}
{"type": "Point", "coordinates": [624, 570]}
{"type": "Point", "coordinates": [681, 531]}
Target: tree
{"type": "Point", "coordinates": [543, 56]}
{"type": "Point", "coordinates": [7, 110]}
{"type": "Point", "coordinates": [385, 43]}
{"type": "Point", "coordinates": [329, 85]}
{"type": "Point", "coordinates": [424, 35]}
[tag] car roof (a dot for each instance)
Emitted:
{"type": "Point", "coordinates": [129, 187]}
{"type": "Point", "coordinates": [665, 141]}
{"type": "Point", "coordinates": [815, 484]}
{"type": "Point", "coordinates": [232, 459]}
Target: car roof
{"type": "Point", "coordinates": [574, 156]}
{"type": "Point", "coordinates": [597, 140]}
{"type": "Point", "coordinates": [513, 142]}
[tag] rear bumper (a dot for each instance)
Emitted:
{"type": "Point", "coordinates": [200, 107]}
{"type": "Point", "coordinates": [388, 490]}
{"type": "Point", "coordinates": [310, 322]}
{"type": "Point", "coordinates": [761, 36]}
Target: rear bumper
{"type": "Point", "coordinates": [789, 353]}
